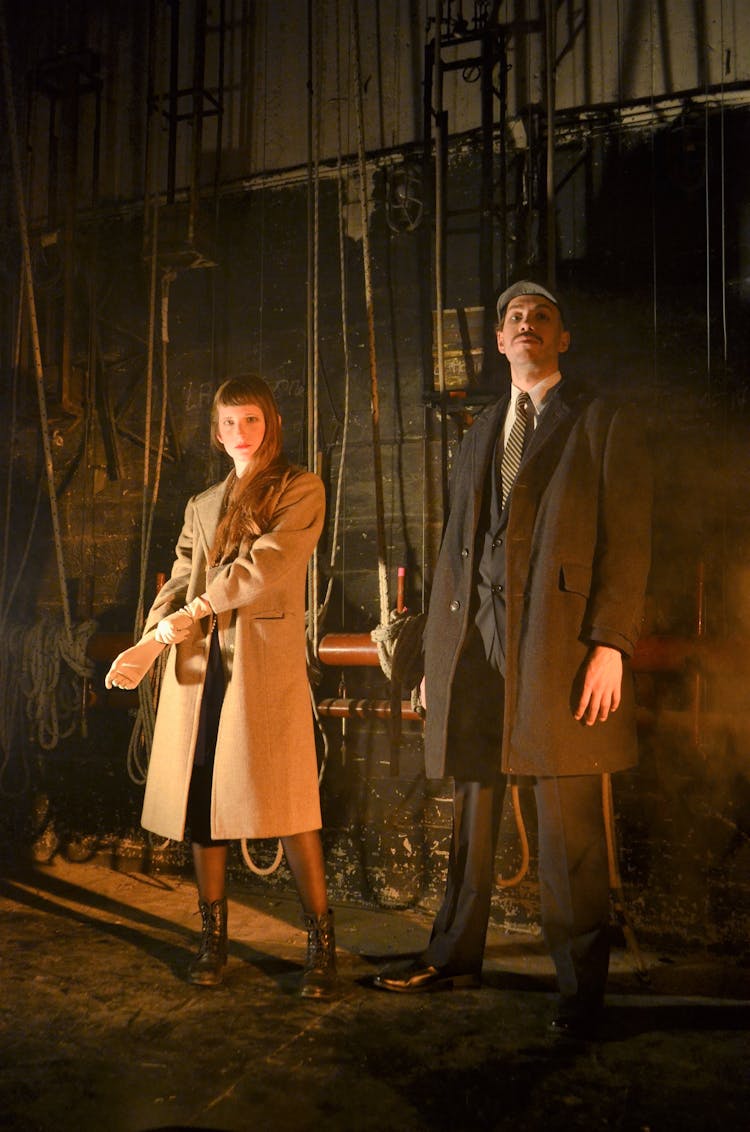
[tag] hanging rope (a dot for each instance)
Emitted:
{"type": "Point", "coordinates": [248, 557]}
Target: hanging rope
{"type": "Point", "coordinates": [399, 645]}
{"type": "Point", "coordinates": [142, 733]}
{"type": "Point", "coordinates": [5, 604]}
{"type": "Point", "coordinates": [33, 323]}
{"type": "Point", "coordinates": [260, 870]}
{"type": "Point", "coordinates": [40, 662]}
{"type": "Point", "coordinates": [439, 256]}
{"type": "Point", "coordinates": [6, 600]}
{"type": "Point", "coordinates": [344, 341]}
{"type": "Point", "coordinates": [511, 882]}
{"type": "Point", "coordinates": [374, 397]}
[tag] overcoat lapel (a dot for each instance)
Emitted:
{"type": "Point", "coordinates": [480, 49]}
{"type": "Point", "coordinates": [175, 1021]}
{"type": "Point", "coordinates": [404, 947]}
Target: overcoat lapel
{"type": "Point", "coordinates": [552, 432]}
{"type": "Point", "coordinates": [484, 448]}
{"type": "Point", "coordinates": [208, 513]}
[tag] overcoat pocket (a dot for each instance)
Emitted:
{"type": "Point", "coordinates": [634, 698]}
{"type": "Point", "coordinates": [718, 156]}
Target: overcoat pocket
{"type": "Point", "coordinates": [575, 578]}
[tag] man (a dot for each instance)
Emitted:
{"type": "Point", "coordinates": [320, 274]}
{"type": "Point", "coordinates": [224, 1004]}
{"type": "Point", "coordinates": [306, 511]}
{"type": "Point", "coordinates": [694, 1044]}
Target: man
{"type": "Point", "coordinates": [536, 605]}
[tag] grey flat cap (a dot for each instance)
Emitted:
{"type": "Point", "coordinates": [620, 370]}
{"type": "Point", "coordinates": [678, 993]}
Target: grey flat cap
{"type": "Point", "coordinates": [524, 287]}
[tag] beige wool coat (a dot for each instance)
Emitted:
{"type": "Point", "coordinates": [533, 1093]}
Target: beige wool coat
{"type": "Point", "coordinates": [265, 771]}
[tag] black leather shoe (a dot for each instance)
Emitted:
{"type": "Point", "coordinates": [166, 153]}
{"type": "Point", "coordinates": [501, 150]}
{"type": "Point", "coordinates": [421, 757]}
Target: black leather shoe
{"type": "Point", "coordinates": [575, 1021]}
{"type": "Point", "coordinates": [417, 977]}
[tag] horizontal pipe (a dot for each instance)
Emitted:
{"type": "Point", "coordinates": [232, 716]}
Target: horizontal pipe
{"type": "Point", "coordinates": [341, 650]}
{"type": "Point", "coordinates": [652, 653]}
{"type": "Point", "coordinates": [363, 709]}
{"type": "Point", "coordinates": [344, 650]}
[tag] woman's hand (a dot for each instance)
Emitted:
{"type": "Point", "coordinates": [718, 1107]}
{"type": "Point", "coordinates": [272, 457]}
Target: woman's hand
{"type": "Point", "coordinates": [129, 668]}
{"type": "Point", "coordinates": [175, 629]}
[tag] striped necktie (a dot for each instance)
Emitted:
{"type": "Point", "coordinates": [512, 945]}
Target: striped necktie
{"type": "Point", "coordinates": [513, 450]}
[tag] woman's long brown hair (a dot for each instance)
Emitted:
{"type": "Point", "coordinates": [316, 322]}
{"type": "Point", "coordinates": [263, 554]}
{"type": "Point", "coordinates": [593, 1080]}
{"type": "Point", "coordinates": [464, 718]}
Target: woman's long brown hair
{"type": "Point", "coordinates": [249, 509]}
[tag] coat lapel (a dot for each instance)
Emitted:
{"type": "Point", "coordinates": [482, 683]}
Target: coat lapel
{"type": "Point", "coordinates": [554, 424]}
{"type": "Point", "coordinates": [486, 434]}
{"type": "Point", "coordinates": [208, 513]}
{"type": "Point", "coordinates": [484, 448]}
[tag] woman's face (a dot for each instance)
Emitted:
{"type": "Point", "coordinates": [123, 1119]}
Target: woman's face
{"type": "Point", "coordinates": [240, 429]}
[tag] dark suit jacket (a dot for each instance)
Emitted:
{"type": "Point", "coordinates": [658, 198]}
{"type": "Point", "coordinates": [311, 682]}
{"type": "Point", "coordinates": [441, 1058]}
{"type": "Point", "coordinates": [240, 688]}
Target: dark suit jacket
{"type": "Point", "coordinates": [578, 554]}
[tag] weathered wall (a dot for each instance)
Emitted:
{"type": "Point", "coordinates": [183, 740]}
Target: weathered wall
{"type": "Point", "coordinates": [290, 88]}
{"type": "Point", "coordinates": [653, 252]}
{"type": "Point", "coordinates": [683, 814]}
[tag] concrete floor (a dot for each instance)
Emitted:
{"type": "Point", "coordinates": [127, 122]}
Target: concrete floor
{"type": "Point", "coordinates": [99, 1032]}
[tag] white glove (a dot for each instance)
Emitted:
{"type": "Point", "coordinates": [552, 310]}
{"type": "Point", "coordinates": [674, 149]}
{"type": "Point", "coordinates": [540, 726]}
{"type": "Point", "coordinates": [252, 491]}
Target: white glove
{"type": "Point", "coordinates": [129, 668]}
{"type": "Point", "coordinates": [173, 630]}
{"type": "Point", "coordinates": [176, 628]}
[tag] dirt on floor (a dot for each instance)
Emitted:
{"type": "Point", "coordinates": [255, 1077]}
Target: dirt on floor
{"type": "Point", "coordinates": [99, 1032]}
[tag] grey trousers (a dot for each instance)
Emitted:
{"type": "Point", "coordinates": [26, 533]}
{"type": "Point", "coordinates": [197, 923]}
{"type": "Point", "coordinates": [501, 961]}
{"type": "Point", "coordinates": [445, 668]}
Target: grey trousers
{"type": "Point", "coordinates": [573, 881]}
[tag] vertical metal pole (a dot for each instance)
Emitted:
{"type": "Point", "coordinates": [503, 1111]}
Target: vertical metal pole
{"type": "Point", "coordinates": [199, 78]}
{"type": "Point", "coordinates": [310, 236]}
{"type": "Point", "coordinates": [366, 263]}
{"type": "Point", "coordinates": [550, 12]}
{"type": "Point", "coordinates": [440, 142]}
{"type": "Point", "coordinates": [174, 80]}
{"type": "Point", "coordinates": [700, 629]}
{"type": "Point", "coordinates": [69, 130]}
{"type": "Point", "coordinates": [487, 188]}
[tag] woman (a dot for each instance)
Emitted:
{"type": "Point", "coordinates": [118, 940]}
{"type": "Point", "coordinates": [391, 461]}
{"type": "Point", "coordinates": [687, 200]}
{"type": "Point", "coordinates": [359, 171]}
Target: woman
{"type": "Point", "coordinates": [233, 754]}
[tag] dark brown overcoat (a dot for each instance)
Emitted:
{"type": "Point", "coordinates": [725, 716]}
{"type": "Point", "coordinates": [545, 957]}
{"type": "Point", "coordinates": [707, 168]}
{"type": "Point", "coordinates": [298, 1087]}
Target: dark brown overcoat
{"type": "Point", "coordinates": [265, 771]}
{"type": "Point", "coordinates": [578, 554]}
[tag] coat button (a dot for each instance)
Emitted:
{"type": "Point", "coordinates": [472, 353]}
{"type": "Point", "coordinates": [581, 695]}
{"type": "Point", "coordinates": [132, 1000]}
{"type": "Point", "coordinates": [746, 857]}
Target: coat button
{"type": "Point", "coordinates": [497, 542]}
{"type": "Point", "coordinates": [496, 589]}
{"type": "Point", "coordinates": [455, 606]}
{"type": "Point", "coordinates": [465, 552]}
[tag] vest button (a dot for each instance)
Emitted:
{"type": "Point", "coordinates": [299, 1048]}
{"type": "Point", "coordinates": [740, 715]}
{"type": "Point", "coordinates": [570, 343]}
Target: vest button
{"type": "Point", "coordinates": [497, 542]}
{"type": "Point", "coordinates": [465, 552]}
{"type": "Point", "coordinates": [496, 589]}
{"type": "Point", "coordinates": [455, 606]}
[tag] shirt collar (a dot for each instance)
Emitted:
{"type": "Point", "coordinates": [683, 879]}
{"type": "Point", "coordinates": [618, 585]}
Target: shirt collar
{"type": "Point", "coordinates": [538, 393]}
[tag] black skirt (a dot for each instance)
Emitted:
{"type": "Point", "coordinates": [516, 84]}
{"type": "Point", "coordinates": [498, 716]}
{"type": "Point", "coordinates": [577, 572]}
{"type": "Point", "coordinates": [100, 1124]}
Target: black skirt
{"type": "Point", "coordinates": [199, 796]}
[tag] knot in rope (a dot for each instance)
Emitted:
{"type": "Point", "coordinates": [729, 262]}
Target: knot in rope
{"type": "Point", "coordinates": [399, 644]}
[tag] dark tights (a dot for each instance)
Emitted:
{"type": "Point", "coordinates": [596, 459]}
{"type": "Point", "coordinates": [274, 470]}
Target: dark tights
{"type": "Point", "coordinates": [304, 855]}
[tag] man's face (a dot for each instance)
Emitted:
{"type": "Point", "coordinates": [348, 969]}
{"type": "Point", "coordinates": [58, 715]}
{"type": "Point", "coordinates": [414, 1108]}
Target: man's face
{"type": "Point", "coordinates": [532, 335]}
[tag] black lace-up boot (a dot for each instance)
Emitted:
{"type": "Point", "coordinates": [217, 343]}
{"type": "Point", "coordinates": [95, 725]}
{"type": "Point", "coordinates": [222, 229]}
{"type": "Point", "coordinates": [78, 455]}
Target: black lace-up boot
{"type": "Point", "coordinates": [320, 979]}
{"type": "Point", "coordinates": [206, 969]}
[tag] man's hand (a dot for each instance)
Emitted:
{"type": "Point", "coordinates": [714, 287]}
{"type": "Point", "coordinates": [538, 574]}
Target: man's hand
{"type": "Point", "coordinates": [602, 683]}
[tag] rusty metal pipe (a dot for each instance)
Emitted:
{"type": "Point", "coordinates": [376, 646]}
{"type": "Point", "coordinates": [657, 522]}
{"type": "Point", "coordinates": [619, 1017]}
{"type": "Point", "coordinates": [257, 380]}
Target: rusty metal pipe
{"type": "Point", "coordinates": [652, 654]}
{"type": "Point", "coordinates": [341, 650]}
{"type": "Point", "coordinates": [364, 709]}
{"type": "Point", "coordinates": [344, 650]}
